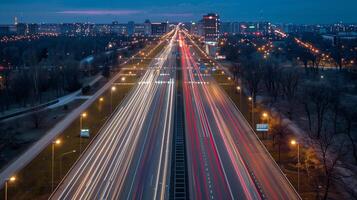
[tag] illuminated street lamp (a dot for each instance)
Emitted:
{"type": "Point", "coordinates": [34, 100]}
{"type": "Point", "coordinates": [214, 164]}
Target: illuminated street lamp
{"type": "Point", "coordinates": [83, 115]}
{"type": "Point", "coordinates": [55, 142]}
{"type": "Point", "coordinates": [251, 100]}
{"type": "Point", "coordinates": [7, 181]}
{"type": "Point", "coordinates": [240, 95]}
{"type": "Point", "coordinates": [295, 143]}
{"type": "Point", "coordinates": [111, 97]}
{"type": "Point", "coordinates": [101, 99]}
{"type": "Point", "coordinates": [265, 115]}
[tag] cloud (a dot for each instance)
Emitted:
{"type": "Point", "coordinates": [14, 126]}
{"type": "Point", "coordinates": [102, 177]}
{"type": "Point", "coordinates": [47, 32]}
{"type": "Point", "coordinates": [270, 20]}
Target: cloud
{"type": "Point", "coordinates": [100, 12]}
{"type": "Point", "coordinates": [173, 14]}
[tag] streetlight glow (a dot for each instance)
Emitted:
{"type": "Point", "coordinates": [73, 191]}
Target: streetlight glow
{"type": "Point", "coordinates": [265, 115]}
{"type": "Point", "coordinates": [293, 142]}
{"type": "Point", "coordinates": [101, 99]}
{"type": "Point", "coordinates": [113, 88]}
{"type": "Point", "coordinates": [58, 141]}
{"type": "Point", "coordinates": [12, 179]}
{"type": "Point", "coordinates": [84, 114]}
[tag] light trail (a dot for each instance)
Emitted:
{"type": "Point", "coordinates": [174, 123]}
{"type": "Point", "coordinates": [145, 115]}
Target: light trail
{"type": "Point", "coordinates": [130, 158]}
{"type": "Point", "coordinates": [217, 170]}
{"type": "Point", "coordinates": [248, 168]}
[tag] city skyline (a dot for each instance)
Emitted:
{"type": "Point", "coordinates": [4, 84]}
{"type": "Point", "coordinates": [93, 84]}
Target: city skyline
{"type": "Point", "coordinates": [93, 11]}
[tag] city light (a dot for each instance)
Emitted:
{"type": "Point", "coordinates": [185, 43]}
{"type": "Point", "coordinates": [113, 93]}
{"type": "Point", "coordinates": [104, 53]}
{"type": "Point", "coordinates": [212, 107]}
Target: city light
{"type": "Point", "coordinates": [12, 179]}
{"type": "Point", "coordinates": [265, 115]}
{"type": "Point", "coordinates": [84, 114]}
{"type": "Point", "coordinates": [162, 95]}
{"type": "Point", "coordinates": [58, 141]}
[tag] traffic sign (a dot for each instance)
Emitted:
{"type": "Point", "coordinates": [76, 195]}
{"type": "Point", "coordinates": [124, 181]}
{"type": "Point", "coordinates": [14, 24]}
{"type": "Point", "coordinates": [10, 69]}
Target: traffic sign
{"type": "Point", "coordinates": [262, 127]}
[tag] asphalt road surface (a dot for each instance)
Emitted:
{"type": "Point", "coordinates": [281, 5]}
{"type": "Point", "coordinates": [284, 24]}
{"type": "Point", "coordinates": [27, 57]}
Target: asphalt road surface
{"type": "Point", "coordinates": [226, 159]}
{"type": "Point", "coordinates": [131, 157]}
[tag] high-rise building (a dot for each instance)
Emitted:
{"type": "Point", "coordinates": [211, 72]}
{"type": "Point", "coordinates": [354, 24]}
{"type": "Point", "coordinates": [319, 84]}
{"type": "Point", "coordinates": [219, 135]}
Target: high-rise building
{"type": "Point", "coordinates": [32, 28]}
{"type": "Point", "coordinates": [211, 26]}
{"type": "Point", "coordinates": [158, 29]}
{"type": "Point", "coordinates": [139, 29]}
{"type": "Point", "coordinates": [131, 27]}
{"type": "Point", "coordinates": [121, 29]}
{"type": "Point", "coordinates": [21, 29]}
{"type": "Point", "coordinates": [147, 25]}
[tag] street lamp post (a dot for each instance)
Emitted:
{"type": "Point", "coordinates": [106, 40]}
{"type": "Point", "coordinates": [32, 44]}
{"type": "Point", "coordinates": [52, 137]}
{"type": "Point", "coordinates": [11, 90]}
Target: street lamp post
{"type": "Point", "coordinates": [266, 116]}
{"type": "Point", "coordinates": [294, 142]}
{"type": "Point", "coordinates": [252, 111]}
{"type": "Point", "coordinates": [11, 179]}
{"type": "Point", "coordinates": [83, 115]}
{"type": "Point", "coordinates": [240, 96]}
{"type": "Point", "coordinates": [100, 104]}
{"type": "Point", "coordinates": [61, 157]}
{"type": "Point", "coordinates": [53, 162]}
{"type": "Point", "coordinates": [111, 98]}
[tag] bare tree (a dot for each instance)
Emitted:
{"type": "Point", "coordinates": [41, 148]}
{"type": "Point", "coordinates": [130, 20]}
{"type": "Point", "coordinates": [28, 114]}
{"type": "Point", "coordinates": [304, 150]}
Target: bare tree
{"type": "Point", "coordinates": [37, 118]}
{"type": "Point", "coordinates": [349, 113]}
{"type": "Point", "coordinates": [331, 150]}
{"type": "Point", "coordinates": [272, 75]}
{"type": "Point", "coordinates": [290, 82]}
{"type": "Point", "coordinates": [252, 74]}
{"type": "Point", "coordinates": [316, 98]}
{"type": "Point", "coordinates": [279, 133]}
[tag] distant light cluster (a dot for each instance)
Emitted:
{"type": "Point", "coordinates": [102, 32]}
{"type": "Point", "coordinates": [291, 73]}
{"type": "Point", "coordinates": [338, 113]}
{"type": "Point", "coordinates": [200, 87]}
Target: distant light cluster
{"type": "Point", "coordinates": [15, 38]}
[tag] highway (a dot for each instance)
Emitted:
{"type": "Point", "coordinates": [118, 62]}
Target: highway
{"type": "Point", "coordinates": [226, 159]}
{"type": "Point", "coordinates": [131, 156]}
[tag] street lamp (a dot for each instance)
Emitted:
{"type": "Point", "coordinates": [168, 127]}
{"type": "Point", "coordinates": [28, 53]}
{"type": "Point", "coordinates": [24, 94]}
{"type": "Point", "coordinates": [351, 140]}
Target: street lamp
{"type": "Point", "coordinates": [111, 97]}
{"type": "Point", "coordinates": [265, 116]}
{"type": "Point", "coordinates": [53, 161]}
{"type": "Point", "coordinates": [295, 143]}
{"type": "Point", "coordinates": [101, 99]}
{"type": "Point", "coordinates": [61, 156]}
{"type": "Point", "coordinates": [11, 179]}
{"type": "Point", "coordinates": [83, 115]}
{"type": "Point", "coordinates": [240, 96]}
{"type": "Point", "coordinates": [252, 111]}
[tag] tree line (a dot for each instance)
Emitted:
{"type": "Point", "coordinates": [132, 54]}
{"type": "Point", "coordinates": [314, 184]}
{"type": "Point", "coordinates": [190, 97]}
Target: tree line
{"type": "Point", "coordinates": [51, 66]}
{"type": "Point", "coordinates": [324, 99]}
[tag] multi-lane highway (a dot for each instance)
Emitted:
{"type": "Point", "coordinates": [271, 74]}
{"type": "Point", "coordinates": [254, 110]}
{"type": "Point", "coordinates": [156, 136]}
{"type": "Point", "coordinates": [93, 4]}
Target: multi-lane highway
{"type": "Point", "coordinates": [216, 170]}
{"type": "Point", "coordinates": [226, 159]}
{"type": "Point", "coordinates": [131, 156]}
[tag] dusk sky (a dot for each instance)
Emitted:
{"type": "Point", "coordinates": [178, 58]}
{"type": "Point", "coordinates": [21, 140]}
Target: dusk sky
{"type": "Point", "coordinates": [105, 11]}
